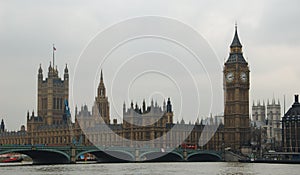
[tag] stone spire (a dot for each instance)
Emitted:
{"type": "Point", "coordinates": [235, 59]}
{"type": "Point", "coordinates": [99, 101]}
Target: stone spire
{"type": "Point", "coordinates": [124, 107]}
{"type": "Point", "coordinates": [66, 73]}
{"type": "Point", "coordinates": [40, 73]}
{"type": "Point", "coordinates": [164, 105]}
{"type": "Point", "coordinates": [169, 105]}
{"type": "Point", "coordinates": [144, 106]}
{"type": "Point", "coordinates": [236, 41]}
{"type": "Point", "coordinates": [236, 54]}
{"type": "Point", "coordinates": [2, 126]}
{"type": "Point", "coordinates": [40, 69]}
{"type": "Point", "coordinates": [101, 87]}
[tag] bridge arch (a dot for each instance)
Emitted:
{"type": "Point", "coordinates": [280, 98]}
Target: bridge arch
{"type": "Point", "coordinates": [161, 156]}
{"type": "Point", "coordinates": [204, 157]}
{"type": "Point", "coordinates": [110, 155]}
{"type": "Point", "coordinates": [45, 156]}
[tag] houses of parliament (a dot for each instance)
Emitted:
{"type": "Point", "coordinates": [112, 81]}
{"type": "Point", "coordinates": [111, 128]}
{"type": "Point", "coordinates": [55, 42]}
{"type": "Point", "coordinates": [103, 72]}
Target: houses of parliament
{"type": "Point", "coordinates": [149, 125]}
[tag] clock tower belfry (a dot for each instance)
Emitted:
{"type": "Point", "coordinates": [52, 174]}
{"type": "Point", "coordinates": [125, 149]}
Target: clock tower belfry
{"type": "Point", "coordinates": [236, 83]}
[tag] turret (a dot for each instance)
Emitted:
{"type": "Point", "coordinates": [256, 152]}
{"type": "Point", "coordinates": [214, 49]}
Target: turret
{"type": "Point", "coordinates": [296, 99]}
{"type": "Point", "coordinates": [131, 104]}
{"type": "Point", "coordinates": [28, 117]}
{"type": "Point", "coordinates": [76, 111]}
{"type": "Point", "coordinates": [66, 73]}
{"type": "Point", "coordinates": [144, 106]}
{"type": "Point", "coordinates": [50, 70]}
{"type": "Point", "coordinates": [102, 101]}
{"type": "Point", "coordinates": [164, 105]}
{"type": "Point", "coordinates": [40, 74]}
{"type": "Point", "coordinates": [182, 121]}
{"type": "Point", "coordinates": [136, 106]}
{"type": "Point", "coordinates": [169, 105]}
{"type": "Point", "coordinates": [124, 107]}
{"type": "Point", "coordinates": [101, 87]}
{"type": "Point", "coordinates": [2, 126]}
{"type": "Point", "coordinates": [66, 83]}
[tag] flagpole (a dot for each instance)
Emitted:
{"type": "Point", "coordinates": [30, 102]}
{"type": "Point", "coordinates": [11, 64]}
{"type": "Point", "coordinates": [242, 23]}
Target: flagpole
{"type": "Point", "coordinates": [283, 104]}
{"type": "Point", "coordinates": [53, 55]}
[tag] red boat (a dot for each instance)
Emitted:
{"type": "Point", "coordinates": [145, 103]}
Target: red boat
{"type": "Point", "coordinates": [12, 160]}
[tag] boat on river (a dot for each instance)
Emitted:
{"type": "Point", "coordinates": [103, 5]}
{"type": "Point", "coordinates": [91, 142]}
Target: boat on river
{"type": "Point", "coordinates": [11, 158]}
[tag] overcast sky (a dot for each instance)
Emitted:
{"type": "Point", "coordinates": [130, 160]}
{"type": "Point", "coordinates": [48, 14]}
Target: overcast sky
{"type": "Point", "coordinates": [268, 30]}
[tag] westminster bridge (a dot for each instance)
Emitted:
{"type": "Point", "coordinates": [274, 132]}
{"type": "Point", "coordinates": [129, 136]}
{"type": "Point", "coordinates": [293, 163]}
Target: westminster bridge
{"type": "Point", "coordinates": [41, 154]}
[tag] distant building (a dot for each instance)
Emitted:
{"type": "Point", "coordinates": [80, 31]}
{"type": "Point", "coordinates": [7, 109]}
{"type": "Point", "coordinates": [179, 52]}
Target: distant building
{"type": "Point", "coordinates": [52, 124]}
{"type": "Point", "coordinates": [266, 119]}
{"type": "Point", "coordinates": [274, 133]}
{"type": "Point", "coordinates": [258, 128]}
{"type": "Point", "coordinates": [291, 128]}
{"type": "Point", "coordinates": [258, 114]}
{"type": "Point", "coordinates": [150, 125]}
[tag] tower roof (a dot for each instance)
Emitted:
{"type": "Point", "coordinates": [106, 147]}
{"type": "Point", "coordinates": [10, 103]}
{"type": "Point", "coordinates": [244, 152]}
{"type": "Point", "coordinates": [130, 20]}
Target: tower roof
{"type": "Point", "coordinates": [66, 69]}
{"type": "Point", "coordinates": [236, 54]}
{"type": "Point", "coordinates": [295, 109]}
{"type": "Point", "coordinates": [236, 41]}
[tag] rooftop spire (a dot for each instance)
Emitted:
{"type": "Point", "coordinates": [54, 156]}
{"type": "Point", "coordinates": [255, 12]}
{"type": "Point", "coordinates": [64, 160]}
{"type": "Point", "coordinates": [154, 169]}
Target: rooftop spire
{"type": "Point", "coordinates": [101, 87]}
{"type": "Point", "coordinates": [40, 69]}
{"type": "Point", "coordinates": [101, 76]}
{"type": "Point", "coordinates": [297, 98]}
{"type": "Point", "coordinates": [236, 41]}
{"type": "Point", "coordinates": [236, 54]}
{"type": "Point", "coordinates": [66, 69]}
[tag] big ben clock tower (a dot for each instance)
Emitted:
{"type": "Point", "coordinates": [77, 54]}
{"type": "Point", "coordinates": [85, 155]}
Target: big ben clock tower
{"type": "Point", "coordinates": [236, 84]}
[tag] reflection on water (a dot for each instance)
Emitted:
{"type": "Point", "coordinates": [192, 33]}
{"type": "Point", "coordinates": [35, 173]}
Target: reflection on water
{"type": "Point", "coordinates": [219, 168]}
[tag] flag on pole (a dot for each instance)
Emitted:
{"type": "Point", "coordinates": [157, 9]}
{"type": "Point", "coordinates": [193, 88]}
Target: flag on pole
{"type": "Point", "coordinates": [54, 49]}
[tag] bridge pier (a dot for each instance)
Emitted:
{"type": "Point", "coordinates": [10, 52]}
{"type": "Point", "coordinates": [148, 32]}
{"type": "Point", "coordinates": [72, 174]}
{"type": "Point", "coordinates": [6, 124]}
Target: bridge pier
{"type": "Point", "coordinates": [73, 154]}
{"type": "Point", "coordinates": [185, 155]}
{"type": "Point", "coordinates": [137, 155]}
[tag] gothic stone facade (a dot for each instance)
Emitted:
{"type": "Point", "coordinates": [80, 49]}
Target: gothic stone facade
{"type": "Point", "coordinates": [236, 92]}
{"type": "Point", "coordinates": [149, 125]}
{"type": "Point", "coordinates": [52, 125]}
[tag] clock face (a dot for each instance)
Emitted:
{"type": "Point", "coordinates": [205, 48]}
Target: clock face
{"type": "Point", "coordinates": [229, 77]}
{"type": "Point", "coordinates": [243, 76]}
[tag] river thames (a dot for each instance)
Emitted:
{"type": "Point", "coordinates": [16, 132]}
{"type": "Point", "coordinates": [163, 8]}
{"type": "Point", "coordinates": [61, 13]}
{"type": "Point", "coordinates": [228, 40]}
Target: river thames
{"type": "Point", "coordinates": [151, 169]}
